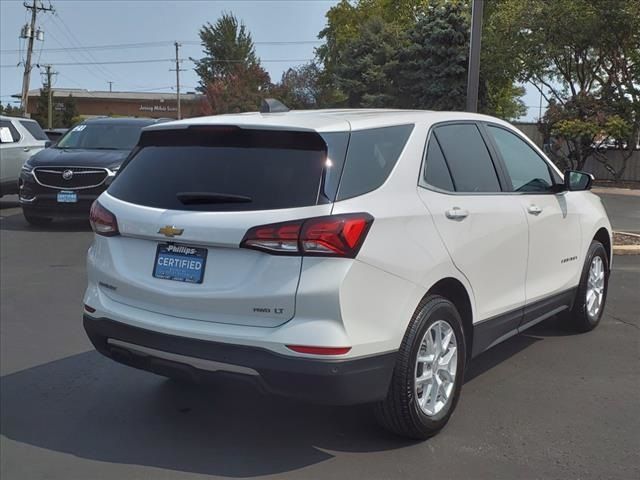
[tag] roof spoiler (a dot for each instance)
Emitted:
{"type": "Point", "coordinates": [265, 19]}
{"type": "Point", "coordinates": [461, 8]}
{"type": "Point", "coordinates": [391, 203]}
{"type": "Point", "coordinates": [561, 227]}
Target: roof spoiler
{"type": "Point", "coordinates": [271, 105]}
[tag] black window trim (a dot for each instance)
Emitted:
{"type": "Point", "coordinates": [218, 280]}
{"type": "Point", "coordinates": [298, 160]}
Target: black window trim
{"type": "Point", "coordinates": [511, 191]}
{"type": "Point", "coordinates": [503, 179]}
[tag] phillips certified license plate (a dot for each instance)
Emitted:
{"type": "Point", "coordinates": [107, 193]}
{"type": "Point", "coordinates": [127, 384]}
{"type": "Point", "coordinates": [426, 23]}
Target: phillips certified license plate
{"type": "Point", "coordinates": [181, 263]}
{"type": "Point", "coordinates": [66, 196]}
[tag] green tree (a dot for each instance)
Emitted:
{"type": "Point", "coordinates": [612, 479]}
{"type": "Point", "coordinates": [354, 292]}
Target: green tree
{"type": "Point", "coordinates": [42, 109]}
{"type": "Point", "coordinates": [240, 90]}
{"type": "Point", "coordinates": [583, 57]}
{"type": "Point", "coordinates": [69, 114]}
{"type": "Point", "coordinates": [226, 44]}
{"type": "Point", "coordinates": [10, 110]}
{"type": "Point", "coordinates": [432, 71]}
{"type": "Point", "coordinates": [365, 74]}
{"type": "Point", "coordinates": [300, 88]}
{"type": "Point", "coordinates": [406, 23]}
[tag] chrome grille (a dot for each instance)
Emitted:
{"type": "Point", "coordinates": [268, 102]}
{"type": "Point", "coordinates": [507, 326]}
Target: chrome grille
{"type": "Point", "coordinates": [70, 178]}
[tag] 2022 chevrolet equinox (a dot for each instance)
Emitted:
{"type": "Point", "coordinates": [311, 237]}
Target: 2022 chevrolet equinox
{"type": "Point", "coordinates": [340, 256]}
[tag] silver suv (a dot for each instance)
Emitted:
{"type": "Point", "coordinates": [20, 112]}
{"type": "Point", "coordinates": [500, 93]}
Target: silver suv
{"type": "Point", "coordinates": [19, 139]}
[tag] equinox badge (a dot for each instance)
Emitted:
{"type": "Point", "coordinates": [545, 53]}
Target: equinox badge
{"type": "Point", "coordinates": [170, 231]}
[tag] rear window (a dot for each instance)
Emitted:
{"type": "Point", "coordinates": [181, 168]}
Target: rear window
{"type": "Point", "coordinates": [34, 129]}
{"type": "Point", "coordinates": [231, 169]}
{"type": "Point", "coordinates": [101, 136]}
{"type": "Point", "coordinates": [371, 156]}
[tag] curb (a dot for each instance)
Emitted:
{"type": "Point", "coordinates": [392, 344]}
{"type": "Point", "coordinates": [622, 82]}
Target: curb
{"type": "Point", "coordinates": [616, 191]}
{"type": "Point", "coordinates": [627, 249]}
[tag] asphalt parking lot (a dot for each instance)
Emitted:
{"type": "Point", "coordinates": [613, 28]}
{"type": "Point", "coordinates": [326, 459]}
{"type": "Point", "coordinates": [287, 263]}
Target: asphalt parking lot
{"type": "Point", "coordinates": [624, 211]}
{"type": "Point", "coordinates": [545, 404]}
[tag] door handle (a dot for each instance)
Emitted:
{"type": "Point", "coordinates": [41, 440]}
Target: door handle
{"type": "Point", "coordinates": [456, 213]}
{"type": "Point", "coordinates": [26, 149]}
{"type": "Point", "coordinates": [534, 210]}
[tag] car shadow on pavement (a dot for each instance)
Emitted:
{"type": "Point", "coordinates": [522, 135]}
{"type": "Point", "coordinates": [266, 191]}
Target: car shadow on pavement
{"type": "Point", "coordinates": [91, 407]}
{"type": "Point", "coordinates": [16, 222]}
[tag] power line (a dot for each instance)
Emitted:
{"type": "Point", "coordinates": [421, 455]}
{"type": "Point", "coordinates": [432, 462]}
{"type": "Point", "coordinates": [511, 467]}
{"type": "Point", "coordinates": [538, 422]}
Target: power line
{"type": "Point", "coordinates": [161, 60]}
{"type": "Point", "coordinates": [74, 40]}
{"type": "Point", "coordinates": [162, 43]}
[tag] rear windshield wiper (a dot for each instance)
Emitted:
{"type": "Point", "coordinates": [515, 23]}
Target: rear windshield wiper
{"type": "Point", "coordinates": [204, 198]}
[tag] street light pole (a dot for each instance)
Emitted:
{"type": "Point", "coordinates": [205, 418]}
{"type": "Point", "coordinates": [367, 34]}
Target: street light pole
{"type": "Point", "coordinates": [473, 78]}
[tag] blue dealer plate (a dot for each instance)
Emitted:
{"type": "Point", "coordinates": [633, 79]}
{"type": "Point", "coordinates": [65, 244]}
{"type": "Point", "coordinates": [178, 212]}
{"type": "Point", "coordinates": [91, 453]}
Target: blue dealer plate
{"type": "Point", "coordinates": [66, 196]}
{"type": "Point", "coordinates": [181, 263]}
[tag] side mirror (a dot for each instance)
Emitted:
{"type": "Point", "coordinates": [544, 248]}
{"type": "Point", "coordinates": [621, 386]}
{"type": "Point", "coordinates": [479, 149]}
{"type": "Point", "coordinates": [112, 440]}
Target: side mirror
{"type": "Point", "coordinates": [48, 143]}
{"type": "Point", "coordinates": [575, 181]}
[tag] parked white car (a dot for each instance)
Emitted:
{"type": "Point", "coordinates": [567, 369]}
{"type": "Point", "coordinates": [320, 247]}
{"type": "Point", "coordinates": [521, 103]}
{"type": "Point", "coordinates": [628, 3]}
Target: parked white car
{"type": "Point", "coordinates": [19, 139]}
{"type": "Point", "coordinates": [340, 256]}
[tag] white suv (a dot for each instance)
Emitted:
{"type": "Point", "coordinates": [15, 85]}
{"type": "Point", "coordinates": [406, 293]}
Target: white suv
{"type": "Point", "coordinates": [20, 138]}
{"type": "Point", "coordinates": [340, 256]}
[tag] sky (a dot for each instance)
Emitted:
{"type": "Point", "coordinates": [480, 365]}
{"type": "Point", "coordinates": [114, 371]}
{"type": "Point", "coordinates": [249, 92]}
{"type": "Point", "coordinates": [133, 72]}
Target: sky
{"type": "Point", "coordinates": [285, 33]}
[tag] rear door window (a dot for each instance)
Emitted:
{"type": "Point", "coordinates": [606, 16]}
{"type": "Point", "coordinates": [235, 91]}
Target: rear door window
{"type": "Point", "coordinates": [229, 169]}
{"type": "Point", "coordinates": [371, 156]}
{"type": "Point", "coordinates": [468, 158]}
{"type": "Point", "coordinates": [34, 129]}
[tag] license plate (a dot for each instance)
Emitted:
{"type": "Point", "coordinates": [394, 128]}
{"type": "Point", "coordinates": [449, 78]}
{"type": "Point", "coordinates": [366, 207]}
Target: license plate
{"type": "Point", "coordinates": [181, 263]}
{"type": "Point", "coordinates": [67, 197]}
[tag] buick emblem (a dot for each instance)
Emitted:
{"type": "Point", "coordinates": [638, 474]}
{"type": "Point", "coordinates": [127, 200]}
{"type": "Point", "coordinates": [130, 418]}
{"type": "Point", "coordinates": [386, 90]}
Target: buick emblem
{"type": "Point", "coordinates": [67, 174]}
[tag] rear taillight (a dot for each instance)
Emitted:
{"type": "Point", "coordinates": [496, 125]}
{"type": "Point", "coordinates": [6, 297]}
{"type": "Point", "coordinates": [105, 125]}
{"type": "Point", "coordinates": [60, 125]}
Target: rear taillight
{"type": "Point", "coordinates": [103, 222]}
{"type": "Point", "coordinates": [330, 236]}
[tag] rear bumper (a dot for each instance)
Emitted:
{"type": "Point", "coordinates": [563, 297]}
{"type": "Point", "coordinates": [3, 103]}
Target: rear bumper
{"type": "Point", "coordinates": [331, 381]}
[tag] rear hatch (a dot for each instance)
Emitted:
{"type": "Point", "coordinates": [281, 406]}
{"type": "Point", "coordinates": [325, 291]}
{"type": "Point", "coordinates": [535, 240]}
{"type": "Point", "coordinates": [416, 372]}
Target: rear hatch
{"type": "Point", "coordinates": [186, 198]}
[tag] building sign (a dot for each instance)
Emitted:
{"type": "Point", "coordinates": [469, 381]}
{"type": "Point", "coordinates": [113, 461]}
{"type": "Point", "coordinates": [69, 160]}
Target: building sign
{"type": "Point", "coordinates": [157, 108]}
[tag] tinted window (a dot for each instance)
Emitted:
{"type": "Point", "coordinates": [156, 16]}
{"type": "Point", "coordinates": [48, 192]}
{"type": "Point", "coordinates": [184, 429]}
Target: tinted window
{"type": "Point", "coordinates": [436, 172]}
{"type": "Point", "coordinates": [468, 158]}
{"type": "Point", "coordinates": [263, 170]}
{"type": "Point", "coordinates": [101, 136]}
{"type": "Point", "coordinates": [371, 156]}
{"type": "Point", "coordinates": [34, 129]}
{"type": "Point", "coordinates": [14, 133]}
{"type": "Point", "coordinates": [528, 172]}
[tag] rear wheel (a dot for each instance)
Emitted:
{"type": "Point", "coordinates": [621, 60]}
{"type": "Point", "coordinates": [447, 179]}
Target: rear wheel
{"type": "Point", "coordinates": [36, 220]}
{"type": "Point", "coordinates": [428, 374]}
{"type": "Point", "coordinates": [592, 292]}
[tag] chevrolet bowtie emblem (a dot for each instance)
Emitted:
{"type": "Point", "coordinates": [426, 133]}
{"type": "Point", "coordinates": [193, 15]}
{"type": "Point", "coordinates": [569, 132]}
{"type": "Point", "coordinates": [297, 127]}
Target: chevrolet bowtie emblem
{"type": "Point", "coordinates": [170, 231]}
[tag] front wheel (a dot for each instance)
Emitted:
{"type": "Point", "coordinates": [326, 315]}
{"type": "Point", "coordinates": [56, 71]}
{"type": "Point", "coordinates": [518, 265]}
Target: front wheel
{"type": "Point", "coordinates": [591, 296]}
{"type": "Point", "coordinates": [429, 371]}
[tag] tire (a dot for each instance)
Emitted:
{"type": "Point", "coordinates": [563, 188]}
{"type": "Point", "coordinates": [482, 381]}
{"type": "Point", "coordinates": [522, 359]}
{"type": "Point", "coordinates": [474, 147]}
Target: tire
{"type": "Point", "coordinates": [401, 411]}
{"type": "Point", "coordinates": [36, 220]}
{"type": "Point", "coordinates": [581, 317]}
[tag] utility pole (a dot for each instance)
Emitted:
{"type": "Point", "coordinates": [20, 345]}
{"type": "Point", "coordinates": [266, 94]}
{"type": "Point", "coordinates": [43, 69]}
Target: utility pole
{"type": "Point", "coordinates": [178, 70]}
{"type": "Point", "coordinates": [50, 96]}
{"type": "Point", "coordinates": [473, 78]}
{"type": "Point", "coordinates": [110, 85]}
{"type": "Point", "coordinates": [29, 32]}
